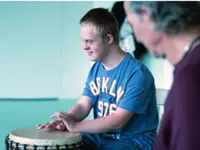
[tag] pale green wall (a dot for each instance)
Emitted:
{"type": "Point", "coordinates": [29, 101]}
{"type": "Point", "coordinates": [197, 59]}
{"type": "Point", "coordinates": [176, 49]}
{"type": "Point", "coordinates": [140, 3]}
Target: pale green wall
{"type": "Point", "coordinates": [40, 46]}
{"type": "Point", "coordinates": [30, 39]}
{"type": "Point", "coordinates": [40, 56]}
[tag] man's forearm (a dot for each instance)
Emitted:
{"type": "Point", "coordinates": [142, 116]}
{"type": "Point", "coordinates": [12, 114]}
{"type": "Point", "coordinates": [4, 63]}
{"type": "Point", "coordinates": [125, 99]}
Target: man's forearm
{"type": "Point", "coordinates": [101, 125]}
{"type": "Point", "coordinates": [78, 113]}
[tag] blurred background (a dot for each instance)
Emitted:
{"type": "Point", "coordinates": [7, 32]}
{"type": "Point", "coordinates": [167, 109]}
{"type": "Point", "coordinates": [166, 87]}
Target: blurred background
{"type": "Point", "coordinates": [43, 67]}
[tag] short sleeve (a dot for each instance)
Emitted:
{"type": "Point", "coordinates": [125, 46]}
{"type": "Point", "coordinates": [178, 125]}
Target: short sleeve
{"type": "Point", "coordinates": [140, 90]}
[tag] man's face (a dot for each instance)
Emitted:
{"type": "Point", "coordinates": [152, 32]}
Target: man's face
{"type": "Point", "coordinates": [92, 43]}
{"type": "Point", "coordinates": [144, 31]}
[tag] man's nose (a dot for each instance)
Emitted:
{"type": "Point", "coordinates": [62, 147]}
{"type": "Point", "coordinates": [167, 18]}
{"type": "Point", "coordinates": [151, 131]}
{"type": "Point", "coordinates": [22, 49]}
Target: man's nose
{"type": "Point", "coordinates": [85, 46]}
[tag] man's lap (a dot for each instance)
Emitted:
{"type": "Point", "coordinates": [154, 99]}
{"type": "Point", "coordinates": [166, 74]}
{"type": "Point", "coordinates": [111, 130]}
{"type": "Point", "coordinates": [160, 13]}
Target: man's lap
{"type": "Point", "coordinates": [96, 142]}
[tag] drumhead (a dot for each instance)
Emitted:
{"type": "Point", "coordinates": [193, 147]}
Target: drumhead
{"type": "Point", "coordinates": [32, 136]}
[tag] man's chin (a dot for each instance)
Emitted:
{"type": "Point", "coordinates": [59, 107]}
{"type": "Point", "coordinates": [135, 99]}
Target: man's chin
{"type": "Point", "coordinates": [163, 56]}
{"type": "Point", "coordinates": [159, 56]}
{"type": "Point", "coordinates": [92, 59]}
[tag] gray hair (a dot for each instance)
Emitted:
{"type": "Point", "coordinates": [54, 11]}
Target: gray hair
{"type": "Point", "coordinates": [170, 16]}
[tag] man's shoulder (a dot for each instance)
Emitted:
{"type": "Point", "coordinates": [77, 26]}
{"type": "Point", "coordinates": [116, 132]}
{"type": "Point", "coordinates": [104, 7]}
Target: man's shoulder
{"type": "Point", "coordinates": [132, 63]}
{"type": "Point", "coordinates": [139, 68]}
{"type": "Point", "coordinates": [137, 64]}
{"type": "Point", "coordinates": [136, 69]}
{"type": "Point", "coordinates": [95, 67]}
{"type": "Point", "coordinates": [188, 71]}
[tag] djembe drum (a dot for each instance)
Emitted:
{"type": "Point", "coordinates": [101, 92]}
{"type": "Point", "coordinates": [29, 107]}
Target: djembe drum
{"type": "Point", "coordinates": [45, 139]}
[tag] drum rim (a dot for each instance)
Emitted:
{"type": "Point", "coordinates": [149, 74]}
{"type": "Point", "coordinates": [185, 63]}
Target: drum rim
{"type": "Point", "coordinates": [41, 142]}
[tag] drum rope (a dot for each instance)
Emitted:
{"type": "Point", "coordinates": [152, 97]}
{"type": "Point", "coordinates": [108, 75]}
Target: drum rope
{"type": "Point", "coordinates": [7, 144]}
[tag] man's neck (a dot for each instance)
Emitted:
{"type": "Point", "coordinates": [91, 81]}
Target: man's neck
{"type": "Point", "coordinates": [178, 47]}
{"type": "Point", "coordinates": [114, 58]}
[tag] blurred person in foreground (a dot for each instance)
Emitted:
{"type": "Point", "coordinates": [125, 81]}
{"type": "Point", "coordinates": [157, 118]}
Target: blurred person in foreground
{"type": "Point", "coordinates": [171, 30]}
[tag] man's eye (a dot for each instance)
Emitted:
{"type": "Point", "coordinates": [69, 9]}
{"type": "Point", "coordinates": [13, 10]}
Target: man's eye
{"type": "Point", "coordinates": [89, 41]}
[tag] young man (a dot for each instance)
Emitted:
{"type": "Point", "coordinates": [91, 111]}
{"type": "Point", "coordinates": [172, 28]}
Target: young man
{"type": "Point", "coordinates": [120, 90]}
{"type": "Point", "coordinates": [172, 30]}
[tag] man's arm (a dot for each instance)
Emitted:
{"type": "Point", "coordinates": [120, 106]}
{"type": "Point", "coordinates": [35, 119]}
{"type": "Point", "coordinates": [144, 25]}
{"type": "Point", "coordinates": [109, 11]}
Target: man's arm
{"type": "Point", "coordinates": [78, 112]}
{"type": "Point", "coordinates": [81, 109]}
{"type": "Point", "coordinates": [186, 123]}
{"type": "Point", "coordinates": [180, 128]}
{"type": "Point", "coordinates": [114, 121]}
{"type": "Point", "coordinates": [104, 124]}
{"type": "Point", "coordinates": [134, 100]}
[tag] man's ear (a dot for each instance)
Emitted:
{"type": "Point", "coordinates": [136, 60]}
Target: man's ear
{"type": "Point", "coordinates": [110, 39]}
{"type": "Point", "coordinates": [145, 14]}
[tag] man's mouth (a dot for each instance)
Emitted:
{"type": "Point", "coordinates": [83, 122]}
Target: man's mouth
{"type": "Point", "coordinates": [90, 53]}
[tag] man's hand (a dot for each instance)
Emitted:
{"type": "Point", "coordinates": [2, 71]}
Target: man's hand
{"type": "Point", "coordinates": [55, 125]}
{"type": "Point", "coordinates": [67, 120]}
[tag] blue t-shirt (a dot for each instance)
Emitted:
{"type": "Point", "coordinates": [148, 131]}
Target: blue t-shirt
{"type": "Point", "coordinates": [129, 86]}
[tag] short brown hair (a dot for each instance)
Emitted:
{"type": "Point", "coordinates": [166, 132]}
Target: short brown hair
{"type": "Point", "coordinates": [104, 21]}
